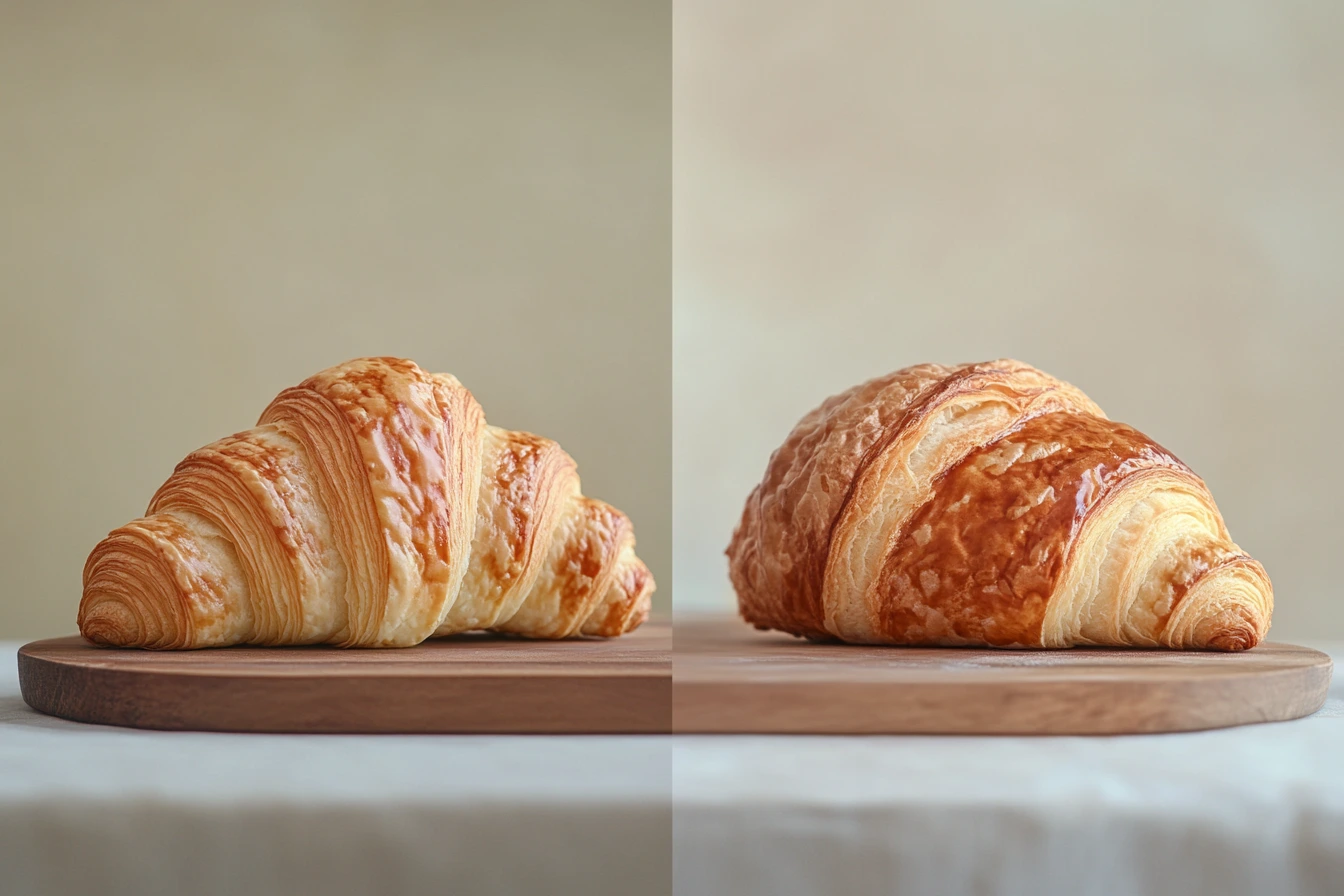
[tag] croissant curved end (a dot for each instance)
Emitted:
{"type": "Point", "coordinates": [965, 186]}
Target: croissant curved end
{"type": "Point", "coordinates": [125, 603]}
{"type": "Point", "coordinates": [626, 604]}
{"type": "Point", "coordinates": [110, 620]}
{"type": "Point", "coordinates": [1229, 608]}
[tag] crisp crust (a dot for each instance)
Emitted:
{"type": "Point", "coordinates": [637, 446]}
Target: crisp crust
{"type": "Point", "coordinates": [988, 549]}
{"type": "Point", "coordinates": [370, 506]}
{"type": "Point", "coordinates": [988, 504]}
{"type": "Point", "coordinates": [777, 556]}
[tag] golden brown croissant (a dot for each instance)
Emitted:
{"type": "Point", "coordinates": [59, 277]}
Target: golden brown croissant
{"type": "Point", "coordinates": [988, 504]}
{"type": "Point", "coordinates": [371, 506]}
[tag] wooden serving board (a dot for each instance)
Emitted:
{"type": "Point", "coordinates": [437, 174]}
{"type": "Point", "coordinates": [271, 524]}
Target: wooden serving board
{"type": "Point", "coordinates": [467, 684]}
{"type": "Point", "coordinates": [730, 678]}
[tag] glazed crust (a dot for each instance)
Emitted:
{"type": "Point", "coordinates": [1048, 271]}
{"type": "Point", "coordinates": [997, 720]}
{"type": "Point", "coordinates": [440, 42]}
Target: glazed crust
{"type": "Point", "coordinates": [988, 504]}
{"type": "Point", "coordinates": [371, 506]}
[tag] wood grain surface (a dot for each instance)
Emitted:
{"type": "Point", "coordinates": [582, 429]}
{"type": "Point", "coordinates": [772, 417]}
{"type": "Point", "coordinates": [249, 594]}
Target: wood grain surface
{"type": "Point", "coordinates": [730, 678]}
{"type": "Point", "coordinates": [466, 684]}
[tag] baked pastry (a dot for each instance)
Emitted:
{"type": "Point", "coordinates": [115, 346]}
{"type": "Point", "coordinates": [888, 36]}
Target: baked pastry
{"type": "Point", "coordinates": [988, 504]}
{"type": "Point", "coordinates": [371, 506]}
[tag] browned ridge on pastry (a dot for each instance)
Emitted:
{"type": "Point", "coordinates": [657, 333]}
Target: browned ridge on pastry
{"type": "Point", "coordinates": [989, 504]}
{"type": "Point", "coordinates": [371, 506]}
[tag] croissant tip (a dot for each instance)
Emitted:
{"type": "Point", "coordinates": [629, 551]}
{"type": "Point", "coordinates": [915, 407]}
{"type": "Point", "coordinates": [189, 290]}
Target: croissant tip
{"type": "Point", "coordinates": [636, 619]}
{"type": "Point", "coordinates": [109, 623]}
{"type": "Point", "coordinates": [1234, 641]}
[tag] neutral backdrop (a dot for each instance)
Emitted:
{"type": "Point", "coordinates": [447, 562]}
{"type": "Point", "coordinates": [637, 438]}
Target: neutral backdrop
{"type": "Point", "coordinates": [205, 203]}
{"type": "Point", "coordinates": [1146, 199]}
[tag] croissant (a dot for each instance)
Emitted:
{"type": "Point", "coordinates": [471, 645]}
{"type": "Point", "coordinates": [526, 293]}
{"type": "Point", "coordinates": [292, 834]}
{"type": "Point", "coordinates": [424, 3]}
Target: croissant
{"type": "Point", "coordinates": [988, 504]}
{"type": "Point", "coordinates": [371, 506]}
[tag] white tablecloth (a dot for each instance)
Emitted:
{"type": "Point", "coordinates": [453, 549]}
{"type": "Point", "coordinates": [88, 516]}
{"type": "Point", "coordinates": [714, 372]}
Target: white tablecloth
{"type": "Point", "coordinates": [91, 809]}
{"type": "Point", "coordinates": [1258, 809]}
{"type": "Point", "coordinates": [94, 809]}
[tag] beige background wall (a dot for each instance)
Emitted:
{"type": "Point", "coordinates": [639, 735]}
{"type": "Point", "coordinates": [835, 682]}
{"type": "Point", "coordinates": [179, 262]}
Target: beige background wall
{"type": "Point", "coordinates": [1144, 198]}
{"type": "Point", "coordinates": [204, 203]}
